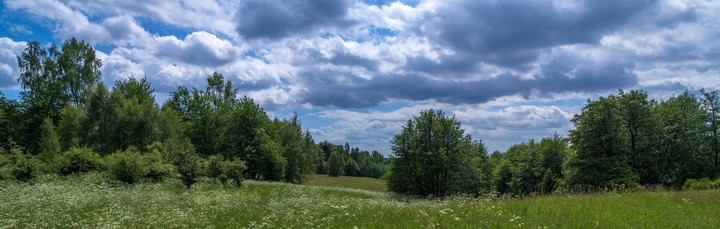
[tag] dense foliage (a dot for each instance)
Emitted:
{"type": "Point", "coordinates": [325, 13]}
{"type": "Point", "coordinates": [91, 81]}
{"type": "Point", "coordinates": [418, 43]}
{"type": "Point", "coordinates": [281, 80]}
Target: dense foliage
{"type": "Point", "coordinates": [435, 157]}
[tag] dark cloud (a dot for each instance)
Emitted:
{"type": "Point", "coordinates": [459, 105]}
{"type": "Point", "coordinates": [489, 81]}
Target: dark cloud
{"type": "Point", "coordinates": [564, 73]}
{"type": "Point", "coordinates": [281, 18]}
{"type": "Point", "coordinates": [348, 59]}
{"type": "Point", "coordinates": [514, 33]}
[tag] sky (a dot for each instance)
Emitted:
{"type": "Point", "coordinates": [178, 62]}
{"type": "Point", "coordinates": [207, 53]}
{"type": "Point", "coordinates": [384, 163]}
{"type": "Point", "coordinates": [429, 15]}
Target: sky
{"type": "Point", "coordinates": [356, 71]}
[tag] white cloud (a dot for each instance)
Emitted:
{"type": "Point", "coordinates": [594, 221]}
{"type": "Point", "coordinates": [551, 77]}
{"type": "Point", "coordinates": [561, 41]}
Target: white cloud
{"type": "Point", "coordinates": [9, 72]}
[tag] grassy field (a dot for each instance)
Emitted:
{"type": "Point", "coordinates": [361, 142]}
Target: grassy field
{"type": "Point", "coordinates": [364, 183]}
{"type": "Point", "coordinates": [88, 201]}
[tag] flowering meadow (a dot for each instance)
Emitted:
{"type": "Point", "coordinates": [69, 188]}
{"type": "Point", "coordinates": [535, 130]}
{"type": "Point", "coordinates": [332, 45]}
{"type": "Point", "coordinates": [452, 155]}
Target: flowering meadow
{"type": "Point", "coordinates": [91, 201]}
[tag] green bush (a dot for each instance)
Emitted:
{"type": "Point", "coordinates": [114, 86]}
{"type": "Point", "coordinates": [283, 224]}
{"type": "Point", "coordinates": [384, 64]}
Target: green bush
{"type": "Point", "coordinates": [158, 169]}
{"type": "Point", "coordinates": [25, 168]}
{"type": "Point", "coordinates": [233, 171]}
{"type": "Point", "coordinates": [213, 169]}
{"type": "Point", "coordinates": [79, 160]}
{"type": "Point", "coordinates": [127, 166]}
{"type": "Point", "coordinates": [701, 184]}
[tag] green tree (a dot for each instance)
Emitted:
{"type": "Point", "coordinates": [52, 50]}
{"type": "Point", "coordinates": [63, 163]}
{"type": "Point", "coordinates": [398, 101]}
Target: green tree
{"type": "Point", "coordinates": [43, 91]}
{"type": "Point", "coordinates": [10, 117]}
{"type": "Point", "coordinates": [136, 115]}
{"type": "Point", "coordinates": [70, 128]}
{"type": "Point", "coordinates": [553, 152]}
{"type": "Point", "coordinates": [640, 134]}
{"type": "Point", "coordinates": [434, 157]}
{"type": "Point", "coordinates": [335, 164]}
{"type": "Point", "coordinates": [80, 69]}
{"type": "Point", "coordinates": [600, 147]}
{"type": "Point", "coordinates": [50, 144]}
{"type": "Point", "coordinates": [681, 145]}
{"type": "Point", "coordinates": [711, 105]}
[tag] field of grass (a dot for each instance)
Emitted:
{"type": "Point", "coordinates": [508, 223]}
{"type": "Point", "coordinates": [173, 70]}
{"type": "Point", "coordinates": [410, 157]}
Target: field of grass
{"type": "Point", "coordinates": [88, 201]}
{"type": "Point", "coordinates": [364, 183]}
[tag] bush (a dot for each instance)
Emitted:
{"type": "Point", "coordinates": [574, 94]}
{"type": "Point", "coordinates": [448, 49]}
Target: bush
{"type": "Point", "coordinates": [127, 166]}
{"type": "Point", "coordinates": [79, 160]}
{"type": "Point", "coordinates": [5, 167]}
{"type": "Point", "coordinates": [213, 168]}
{"type": "Point", "coordinates": [233, 170]}
{"type": "Point", "coordinates": [25, 168]}
{"type": "Point", "coordinates": [701, 184]}
{"type": "Point", "coordinates": [158, 169]}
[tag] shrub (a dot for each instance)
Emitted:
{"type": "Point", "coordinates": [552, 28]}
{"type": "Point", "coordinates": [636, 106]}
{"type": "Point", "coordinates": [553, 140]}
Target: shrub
{"type": "Point", "coordinates": [701, 184]}
{"type": "Point", "coordinates": [25, 168]}
{"type": "Point", "coordinates": [127, 166]}
{"type": "Point", "coordinates": [158, 169]}
{"type": "Point", "coordinates": [213, 168]}
{"type": "Point", "coordinates": [79, 160]}
{"type": "Point", "coordinates": [233, 170]}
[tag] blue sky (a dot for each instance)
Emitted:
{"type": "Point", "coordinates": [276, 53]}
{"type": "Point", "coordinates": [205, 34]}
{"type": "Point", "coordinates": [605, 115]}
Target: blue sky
{"type": "Point", "coordinates": [356, 71]}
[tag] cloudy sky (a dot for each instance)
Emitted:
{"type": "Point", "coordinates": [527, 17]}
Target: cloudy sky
{"type": "Point", "coordinates": [356, 71]}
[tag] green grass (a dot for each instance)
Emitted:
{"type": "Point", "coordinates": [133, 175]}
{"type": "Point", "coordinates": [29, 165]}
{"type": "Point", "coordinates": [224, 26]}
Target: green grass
{"type": "Point", "coordinates": [364, 183]}
{"type": "Point", "coordinates": [88, 201]}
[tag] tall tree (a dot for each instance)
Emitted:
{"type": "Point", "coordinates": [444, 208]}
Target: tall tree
{"type": "Point", "coordinates": [80, 69]}
{"type": "Point", "coordinates": [10, 117]}
{"type": "Point", "coordinates": [335, 164]}
{"type": "Point", "coordinates": [711, 105]}
{"type": "Point", "coordinates": [434, 157]}
{"type": "Point", "coordinates": [43, 90]}
{"type": "Point", "coordinates": [681, 145]}
{"type": "Point", "coordinates": [640, 133]}
{"type": "Point", "coordinates": [50, 142]}
{"type": "Point", "coordinates": [600, 147]}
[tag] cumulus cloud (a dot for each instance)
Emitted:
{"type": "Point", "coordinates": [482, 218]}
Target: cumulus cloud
{"type": "Point", "coordinates": [198, 48]}
{"type": "Point", "coordinates": [568, 70]}
{"type": "Point", "coordinates": [9, 72]}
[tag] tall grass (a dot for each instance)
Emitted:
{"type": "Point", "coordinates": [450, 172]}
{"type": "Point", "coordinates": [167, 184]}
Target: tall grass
{"type": "Point", "coordinates": [89, 201]}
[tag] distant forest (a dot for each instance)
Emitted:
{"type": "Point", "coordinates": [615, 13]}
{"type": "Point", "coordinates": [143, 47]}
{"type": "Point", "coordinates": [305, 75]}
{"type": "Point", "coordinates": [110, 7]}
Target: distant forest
{"type": "Point", "coordinates": [67, 121]}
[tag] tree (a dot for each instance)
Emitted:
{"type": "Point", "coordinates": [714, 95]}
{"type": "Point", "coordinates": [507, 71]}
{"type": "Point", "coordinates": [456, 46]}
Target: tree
{"type": "Point", "coordinates": [80, 69]}
{"type": "Point", "coordinates": [553, 154]}
{"type": "Point", "coordinates": [640, 133]}
{"type": "Point", "coordinates": [50, 144]}
{"type": "Point", "coordinates": [682, 141]}
{"type": "Point", "coordinates": [600, 148]}
{"type": "Point", "coordinates": [434, 157]}
{"type": "Point", "coordinates": [711, 105]}
{"type": "Point", "coordinates": [43, 91]}
{"type": "Point", "coordinates": [10, 117]}
{"type": "Point", "coordinates": [70, 126]}
{"type": "Point", "coordinates": [335, 165]}
{"type": "Point", "coordinates": [136, 115]}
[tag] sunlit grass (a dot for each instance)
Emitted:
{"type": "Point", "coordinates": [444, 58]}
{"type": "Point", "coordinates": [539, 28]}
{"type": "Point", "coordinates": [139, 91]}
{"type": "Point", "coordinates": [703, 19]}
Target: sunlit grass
{"type": "Point", "coordinates": [365, 183]}
{"type": "Point", "coordinates": [88, 201]}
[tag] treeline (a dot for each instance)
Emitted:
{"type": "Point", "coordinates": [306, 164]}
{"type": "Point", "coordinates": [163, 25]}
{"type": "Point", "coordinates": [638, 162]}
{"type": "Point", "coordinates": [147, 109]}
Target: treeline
{"type": "Point", "coordinates": [338, 160]}
{"type": "Point", "coordinates": [67, 121]}
{"type": "Point", "coordinates": [620, 141]}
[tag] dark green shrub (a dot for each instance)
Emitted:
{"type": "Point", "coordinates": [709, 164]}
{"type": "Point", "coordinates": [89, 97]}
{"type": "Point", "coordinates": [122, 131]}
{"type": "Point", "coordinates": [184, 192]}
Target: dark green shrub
{"type": "Point", "coordinates": [213, 168]}
{"type": "Point", "coordinates": [701, 184]}
{"type": "Point", "coordinates": [127, 166]}
{"type": "Point", "coordinates": [158, 169]}
{"type": "Point", "coordinates": [233, 171]}
{"type": "Point", "coordinates": [188, 166]}
{"type": "Point", "coordinates": [25, 168]}
{"type": "Point", "coordinates": [79, 160]}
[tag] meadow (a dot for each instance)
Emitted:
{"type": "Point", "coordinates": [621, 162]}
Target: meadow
{"type": "Point", "coordinates": [364, 183]}
{"type": "Point", "coordinates": [90, 201]}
